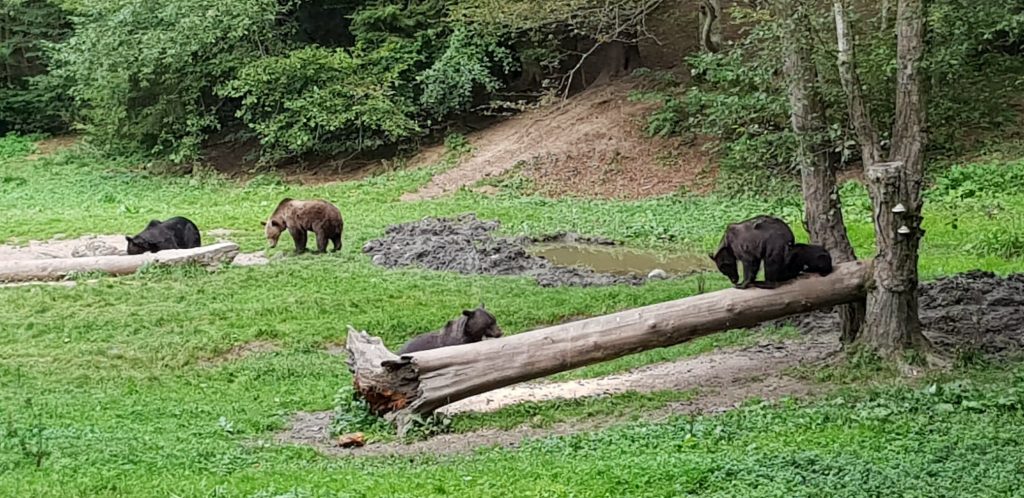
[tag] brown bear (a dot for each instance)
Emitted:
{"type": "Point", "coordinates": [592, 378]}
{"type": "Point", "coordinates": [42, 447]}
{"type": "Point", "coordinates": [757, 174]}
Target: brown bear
{"type": "Point", "coordinates": [298, 217]}
{"type": "Point", "coordinates": [761, 238]}
{"type": "Point", "coordinates": [472, 326]}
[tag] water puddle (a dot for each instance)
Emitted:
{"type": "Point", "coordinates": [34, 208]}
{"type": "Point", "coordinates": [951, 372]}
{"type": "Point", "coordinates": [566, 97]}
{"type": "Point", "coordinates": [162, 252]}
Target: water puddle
{"type": "Point", "coordinates": [617, 260]}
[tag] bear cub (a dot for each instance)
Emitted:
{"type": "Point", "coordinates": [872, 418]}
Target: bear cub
{"type": "Point", "coordinates": [760, 239]}
{"type": "Point", "coordinates": [472, 326]}
{"type": "Point", "coordinates": [299, 217]}
{"type": "Point", "coordinates": [175, 233]}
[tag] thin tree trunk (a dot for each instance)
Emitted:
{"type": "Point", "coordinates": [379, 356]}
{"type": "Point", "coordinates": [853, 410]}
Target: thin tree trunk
{"type": "Point", "coordinates": [822, 204]}
{"type": "Point", "coordinates": [400, 387]}
{"type": "Point", "coordinates": [892, 324]}
{"type": "Point", "coordinates": [709, 17]}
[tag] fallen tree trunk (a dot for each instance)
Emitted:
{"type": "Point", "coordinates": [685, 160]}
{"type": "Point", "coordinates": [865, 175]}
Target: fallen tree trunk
{"type": "Point", "coordinates": [23, 270]}
{"type": "Point", "coordinates": [419, 383]}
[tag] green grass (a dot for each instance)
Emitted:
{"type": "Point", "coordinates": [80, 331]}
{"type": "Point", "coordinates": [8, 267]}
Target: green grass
{"type": "Point", "coordinates": [106, 377]}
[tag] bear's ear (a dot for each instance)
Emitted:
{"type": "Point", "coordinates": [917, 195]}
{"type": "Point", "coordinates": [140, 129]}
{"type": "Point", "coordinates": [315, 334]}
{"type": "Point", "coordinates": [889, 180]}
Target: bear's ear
{"type": "Point", "coordinates": [129, 239]}
{"type": "Point", "coordinates": [467, 312]}
{"type": "Point", "coordinates": [712, 256]}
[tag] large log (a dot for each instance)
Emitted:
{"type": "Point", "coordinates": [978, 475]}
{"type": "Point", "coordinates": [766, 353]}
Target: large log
{"type": "Point", "coordinates": [23, 270]}
{"type": "Point", "coordinates": [419, 383]}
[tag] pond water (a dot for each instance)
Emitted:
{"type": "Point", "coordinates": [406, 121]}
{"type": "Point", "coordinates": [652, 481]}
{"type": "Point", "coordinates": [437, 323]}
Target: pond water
{"type": "Point", "coordinates": [619, 260]}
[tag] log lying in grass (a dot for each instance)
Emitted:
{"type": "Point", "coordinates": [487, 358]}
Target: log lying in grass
{"type": "Point", "coordinates": [419, 383]}
{"type": "Point", "coordinates": [24, 270]}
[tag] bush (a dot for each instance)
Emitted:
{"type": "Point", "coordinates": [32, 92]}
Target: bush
{"type": "Point", "coordinates": [143, 71]}
{"type": "Point", "coordinates": [30, 100]}
{"type": "Point", "coordinates": [326, 100]}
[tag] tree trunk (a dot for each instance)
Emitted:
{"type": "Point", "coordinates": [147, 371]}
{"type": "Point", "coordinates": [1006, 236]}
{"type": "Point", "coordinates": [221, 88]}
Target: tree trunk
{"type": "Point", "coordinates": [892, 324]}
{"type": "Point", "coordinates": [421, 382]}
{"type": "Point", "coordinates": [58, 268]}
{"type": "Point", "coordinates": [709, 16]}
{"type": "Point", "coordinates": [822, 206]}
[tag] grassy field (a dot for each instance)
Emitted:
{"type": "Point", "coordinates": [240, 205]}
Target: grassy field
{"type": "Point", "coordinates": [104, 384]}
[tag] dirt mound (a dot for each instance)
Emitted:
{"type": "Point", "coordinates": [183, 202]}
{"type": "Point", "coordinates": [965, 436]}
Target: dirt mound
{"type": "Point", "coordinates": [591, 145]}
{"type": "Point", "coordinates": [465, 245]}
{"type": "Point", "coordinates": [974, 310]}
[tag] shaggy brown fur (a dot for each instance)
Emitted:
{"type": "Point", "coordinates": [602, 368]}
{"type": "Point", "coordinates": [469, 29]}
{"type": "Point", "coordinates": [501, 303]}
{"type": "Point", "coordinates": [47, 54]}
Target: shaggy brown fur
{"type": "Point", "coordinates": [298, 217]}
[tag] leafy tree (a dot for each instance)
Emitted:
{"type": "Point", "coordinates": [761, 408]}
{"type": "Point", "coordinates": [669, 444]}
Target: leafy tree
{"type": "Point", "coordinates": [30, 100]}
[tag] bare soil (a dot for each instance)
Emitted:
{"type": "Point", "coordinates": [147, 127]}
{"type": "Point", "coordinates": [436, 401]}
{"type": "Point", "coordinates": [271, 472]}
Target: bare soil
{"type": "Point", "coordinates": [51, 145]}
{"type": "Point", "coordinates": [239, 352]}
{"type": "Point", "coordinates": [466, 245]}
{"type": "Point", "coordinates": [590, 145]}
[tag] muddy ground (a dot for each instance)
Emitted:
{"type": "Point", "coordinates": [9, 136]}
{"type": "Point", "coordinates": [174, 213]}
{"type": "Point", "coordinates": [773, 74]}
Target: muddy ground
{"type": "Point", "coordinates": [466, 245]}
{"type": "Point", "coordinates": [973, 311]}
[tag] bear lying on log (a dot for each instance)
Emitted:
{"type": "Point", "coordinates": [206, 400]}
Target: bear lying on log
{"type": "Point", "coordinates": [399, 387]}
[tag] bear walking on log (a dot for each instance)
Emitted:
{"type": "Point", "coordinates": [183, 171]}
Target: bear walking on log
{"type": "Point", "coordinates": [175, 233]}
{"type": "Point", "coordinates": [472, 326]}
{"type": "Point", "coordinates": [299, 217]}
{"type": "Point", "coordinates": [768, 240]}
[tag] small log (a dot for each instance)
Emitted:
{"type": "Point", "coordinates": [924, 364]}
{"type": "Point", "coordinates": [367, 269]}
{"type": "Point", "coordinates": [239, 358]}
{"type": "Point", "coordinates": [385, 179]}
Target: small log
{"type": "Point", "coordinates": [399, 387]}
{"type": "Point", "coordinates": [23, 270]}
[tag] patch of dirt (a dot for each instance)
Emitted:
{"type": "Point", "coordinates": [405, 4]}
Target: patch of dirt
{"type": "Point", "coordinates": [239, 352]}
{"type": "Point", "coordinates": [58, 247]}
{"type": "Point", "coordinates": [722, 372]}
{"type": "Point", "coordinates": [976, 310]}
{"type": "Point", "coordinates": [465, 245]}
{"type": "Point", "coordinates": [51, 145]}
{"type": "Point", "coordinates": [722, 380]}
{"type": "Point", "coordinates": [591, 145]}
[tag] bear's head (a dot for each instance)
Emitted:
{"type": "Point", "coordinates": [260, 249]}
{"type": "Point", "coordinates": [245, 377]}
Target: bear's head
{"type": "Point", "coordinates": [811, 259]}
{"type": "Point", "coordinates": [138, 245]}
{"type": "Point", "coordinates": [725, 260]}
{"type": "Point", "coordinates": [273, 229]}
{"type": "Point", "coordinates": [480, 324]}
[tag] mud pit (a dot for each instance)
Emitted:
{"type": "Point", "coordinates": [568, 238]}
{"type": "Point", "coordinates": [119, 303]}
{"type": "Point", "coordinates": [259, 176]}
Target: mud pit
{"type": "Point", "coordinates": [466, 245]}
{"type": "Point", "coordinates": [977, 311]}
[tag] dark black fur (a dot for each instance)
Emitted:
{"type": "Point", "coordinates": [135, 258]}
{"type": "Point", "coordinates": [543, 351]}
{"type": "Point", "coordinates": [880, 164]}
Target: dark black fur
{"type": "Point", "coordinates": [472, 326]}
{"type": "Point", "coordinates": [760, 239]}
{"type": "Point", "coordinates": [802, 258]}
{"type": "Point", "coordinates": [175, 233]}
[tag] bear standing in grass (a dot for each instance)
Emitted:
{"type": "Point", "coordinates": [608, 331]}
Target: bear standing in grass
{"type": "Point", "coordinates": [298, 217]}
{"type": "Point", "coordinates": [175, 233]}
{"type": "Point", "coordinates": [472, 326]}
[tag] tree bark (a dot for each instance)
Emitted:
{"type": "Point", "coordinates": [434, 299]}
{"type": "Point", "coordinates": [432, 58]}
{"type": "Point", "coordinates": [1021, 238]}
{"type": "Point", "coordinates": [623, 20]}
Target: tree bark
{"type": "Point", "coordinates": [822, 205]}
{"type": "Point", "coordinates": [58, 268]}
{"type": "Point", "coordinates": [421, 382]}
{"type": "Point", "coordinates": [892, 324]}
{"type": "Point", "coordinates": [709, 17]}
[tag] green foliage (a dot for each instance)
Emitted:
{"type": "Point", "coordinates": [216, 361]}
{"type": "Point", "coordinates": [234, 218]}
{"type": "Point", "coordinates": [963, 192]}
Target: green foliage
{"type": "Point", "coordinates": [143, 72]}
{"type": "Point", "coordinates": [31, 100]}
{"type": "Point", "coordinates": [739, 97]}
{"type": "Point", "coordinates": [465, 65]}
{"type": "Point", "coordinates": [326, 100]}
{"type": "Point", "coordinates": [12, 146]}
{"type": "Point", "coordinates": [352, 414]}
{"type": "Point", "coordinates": [134, 411]}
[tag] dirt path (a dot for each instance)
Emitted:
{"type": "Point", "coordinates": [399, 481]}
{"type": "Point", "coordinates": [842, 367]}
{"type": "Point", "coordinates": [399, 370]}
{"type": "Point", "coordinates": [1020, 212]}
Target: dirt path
{"type": "Point", "coordinates": [722, 380]}
{"type": "Point", "coordinates": [591, 144]}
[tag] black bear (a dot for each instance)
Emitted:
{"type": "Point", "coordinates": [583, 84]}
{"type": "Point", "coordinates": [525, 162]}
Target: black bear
{"type": "Point", "coordinates": [175, 233]}
{"type": "Point", "coordinates": [760, 239]}
{"type": "Point", "coordinates": [808, 258]}
{"type": "Point", "coordinates": [472, 326]}
{"type": "Point", "coordinates": [298, 217]}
